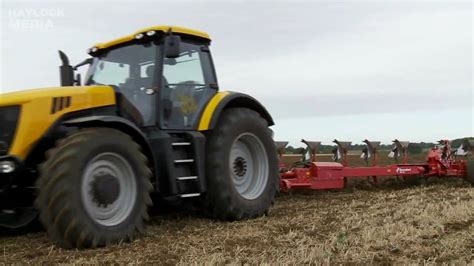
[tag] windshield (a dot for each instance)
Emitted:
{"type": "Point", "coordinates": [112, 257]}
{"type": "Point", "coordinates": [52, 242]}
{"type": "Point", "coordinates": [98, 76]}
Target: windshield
{"type": "Point", "coordinates": [130, 68]}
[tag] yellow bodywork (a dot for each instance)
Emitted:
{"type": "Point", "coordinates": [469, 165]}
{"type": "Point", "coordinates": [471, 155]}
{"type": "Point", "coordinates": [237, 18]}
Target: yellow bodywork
{"type": "Point", "coordinates": [36, 116]}
{"type": "Point", "coordinates": [153, 28]}
{"type": "Point", "coordinates": [206, 117]}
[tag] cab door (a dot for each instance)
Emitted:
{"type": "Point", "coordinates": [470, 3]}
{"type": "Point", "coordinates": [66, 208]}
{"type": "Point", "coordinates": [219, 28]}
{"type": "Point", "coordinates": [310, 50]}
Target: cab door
{"type": "Point", "coordinates": [188, 83]}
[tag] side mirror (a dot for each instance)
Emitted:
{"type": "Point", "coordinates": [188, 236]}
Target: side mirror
{"type": "Point", "coordinates": [172, 46]}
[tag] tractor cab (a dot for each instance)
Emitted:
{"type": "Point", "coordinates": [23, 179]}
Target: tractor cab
{"type": "Point", "coordinates": [163, 76]}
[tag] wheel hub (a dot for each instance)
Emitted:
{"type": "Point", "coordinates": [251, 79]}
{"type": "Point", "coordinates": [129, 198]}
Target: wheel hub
{"type": "Point", "coordinates": [105, 189]}
{"type": "Point", "coordinates": [240, 166]}
{"type": "Point", "coordinates": [248, 166]}
{"type": "Point", "coordinates": [109, 189]}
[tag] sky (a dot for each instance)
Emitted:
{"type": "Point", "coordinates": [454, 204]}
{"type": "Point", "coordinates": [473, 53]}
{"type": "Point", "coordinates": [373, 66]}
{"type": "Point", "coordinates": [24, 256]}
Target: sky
{"type": "Point", "coordinates": [352, 70]}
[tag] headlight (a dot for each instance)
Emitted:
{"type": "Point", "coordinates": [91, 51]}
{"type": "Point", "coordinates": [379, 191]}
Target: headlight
{"type": "Point", "coordinates": [8, 123]}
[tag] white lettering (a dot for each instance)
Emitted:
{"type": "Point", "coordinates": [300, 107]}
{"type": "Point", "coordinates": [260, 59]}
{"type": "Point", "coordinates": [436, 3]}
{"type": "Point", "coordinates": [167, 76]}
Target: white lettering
{"type": "Point", "coordinates": [36, 13]}
{"type": "Point", "coordinates": [401, 170]}
{"type": "Point", "coordinates": [31, 24]}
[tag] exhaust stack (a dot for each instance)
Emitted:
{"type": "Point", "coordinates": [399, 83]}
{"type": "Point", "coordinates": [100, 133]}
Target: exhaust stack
{"type": "Point", "coordinates": [66, 71]}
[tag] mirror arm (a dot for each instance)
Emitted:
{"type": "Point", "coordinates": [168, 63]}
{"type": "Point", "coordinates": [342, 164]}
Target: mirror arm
{"type": "Point", "coordinates": [87, 61]}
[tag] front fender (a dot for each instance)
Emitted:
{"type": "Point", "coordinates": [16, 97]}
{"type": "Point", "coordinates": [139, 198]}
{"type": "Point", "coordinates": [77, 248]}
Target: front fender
{"type": "Point", "coordinates": [101, 120]}
{"type": "Point", "coordinates": [116, 122]}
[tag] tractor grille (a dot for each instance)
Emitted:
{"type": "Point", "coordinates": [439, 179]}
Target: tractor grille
{"type": "Point", "coordinates": [8, 123]}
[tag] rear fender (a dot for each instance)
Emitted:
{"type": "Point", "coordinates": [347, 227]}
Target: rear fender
{"type": "Point", "coordinates": [225, 100]}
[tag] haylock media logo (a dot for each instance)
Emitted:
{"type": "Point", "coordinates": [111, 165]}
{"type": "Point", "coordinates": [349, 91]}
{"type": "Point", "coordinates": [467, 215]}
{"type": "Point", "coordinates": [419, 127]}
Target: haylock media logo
{"type": "Point", "coordinates": [33, 19]}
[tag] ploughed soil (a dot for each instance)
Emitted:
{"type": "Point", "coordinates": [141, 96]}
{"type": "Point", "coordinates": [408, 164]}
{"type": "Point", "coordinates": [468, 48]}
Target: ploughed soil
{"type": "Point", "coordinates": [390, 222]}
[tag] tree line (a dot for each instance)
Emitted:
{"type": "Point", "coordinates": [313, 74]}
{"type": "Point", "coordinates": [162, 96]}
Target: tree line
{"type": "Point", "coordinates": [413, 148]}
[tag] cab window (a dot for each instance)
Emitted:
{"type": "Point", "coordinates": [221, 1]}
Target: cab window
{"type": "Point", "coordinates": [111, 73]}
{"type": "Point", "coordinates": [185, 69]}
{"type": "Point", "coordinates": [186, 86]}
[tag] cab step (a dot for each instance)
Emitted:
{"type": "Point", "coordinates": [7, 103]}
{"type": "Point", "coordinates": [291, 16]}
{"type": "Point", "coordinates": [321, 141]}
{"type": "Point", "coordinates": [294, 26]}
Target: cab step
{"type": "Point", "coordinates": [182, 164]}
{"type": "Point", "coordinates": [181, 144]}
{"type": "Point", "coordinates": [184, 161]}
{"type": "Point", "coordinates": [183, 178]}
{"type": "Point", "coordinates": [190, 195]}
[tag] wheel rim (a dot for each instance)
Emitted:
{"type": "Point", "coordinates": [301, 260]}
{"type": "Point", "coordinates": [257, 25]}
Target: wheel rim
{"type": "Point", "coordinates": [108, 189]}
{"type": "Point", "coordinates": [249, 166]}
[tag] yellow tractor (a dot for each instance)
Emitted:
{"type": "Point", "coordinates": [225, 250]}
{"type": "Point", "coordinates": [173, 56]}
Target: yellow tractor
{"type": "Point", "coordinates": [149, 123]}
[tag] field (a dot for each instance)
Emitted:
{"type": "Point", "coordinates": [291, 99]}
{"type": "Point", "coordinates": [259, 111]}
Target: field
{"type": "Point", "coordinates": [387, 223]}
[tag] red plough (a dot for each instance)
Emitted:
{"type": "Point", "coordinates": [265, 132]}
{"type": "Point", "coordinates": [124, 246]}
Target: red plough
{"type": "Point", "coordinates": [441, 161]}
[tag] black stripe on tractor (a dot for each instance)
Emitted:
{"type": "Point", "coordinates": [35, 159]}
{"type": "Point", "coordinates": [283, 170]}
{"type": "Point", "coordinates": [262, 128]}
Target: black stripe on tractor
{"type": "Point", "coordinates": [68, 102]}
{"type": "Point", "coordinates": [53, 106]}
{"type": "Point", "coordinates": [60, 103]}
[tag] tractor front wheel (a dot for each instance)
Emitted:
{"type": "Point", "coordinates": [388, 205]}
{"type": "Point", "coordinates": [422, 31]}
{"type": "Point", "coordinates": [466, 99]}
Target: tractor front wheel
{"type": "Point", "coordinates": [94, 189]}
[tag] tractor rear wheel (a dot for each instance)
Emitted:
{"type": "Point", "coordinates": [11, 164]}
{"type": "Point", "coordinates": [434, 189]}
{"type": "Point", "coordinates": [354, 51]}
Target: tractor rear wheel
{"type": "Point", "coordinates": [242, 166]}
{"type": "Point", "coordinates": [470, 169]}
{"type": "Point", "coordinates": [94, 189]}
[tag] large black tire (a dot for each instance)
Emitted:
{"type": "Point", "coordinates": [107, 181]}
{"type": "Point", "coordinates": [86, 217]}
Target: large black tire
{"type": "Point", "coordinates": [470, 169]}
{"type": "Point", "coordinates": [63, 204]}
{"type": "Point", "coordinates": [223, 199]}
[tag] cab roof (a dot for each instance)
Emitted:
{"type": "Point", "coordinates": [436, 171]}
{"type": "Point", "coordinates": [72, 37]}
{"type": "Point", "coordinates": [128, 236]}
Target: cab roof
{"type": "Point", "coordinates": [162, 28]}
